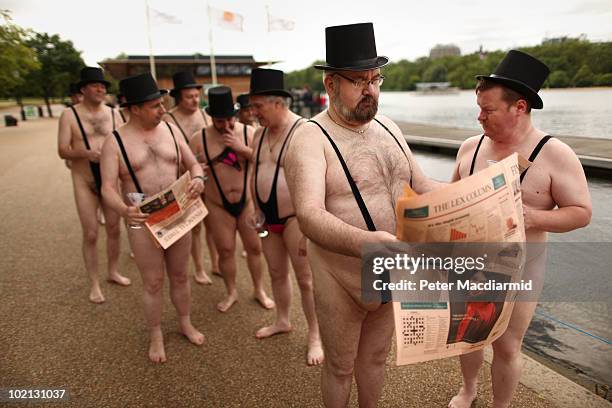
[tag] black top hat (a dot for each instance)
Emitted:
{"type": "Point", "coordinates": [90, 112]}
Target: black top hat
{"type": "Point", "coordinates": [140, 88]}
{"type": "Point", "coordinates": [183, 80]}
{"type": "Point", "coordinates": [90, 75]}
{"type": "Point", "coordinates": [74, 89]}
{"type": "Point", "coordinates": [243, 101]}
{"type": "Point", "coordinates": [220, 102]}
{"type": "Point", "coordinates": [351, 48]}
{"type": "Point", "coordinates": [268, 82]}
{"type": "Point", "coordinates": [522, 73]}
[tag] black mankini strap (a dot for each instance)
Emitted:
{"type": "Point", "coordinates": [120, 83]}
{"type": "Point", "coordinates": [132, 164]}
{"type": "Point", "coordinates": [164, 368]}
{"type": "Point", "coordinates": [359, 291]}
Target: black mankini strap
{"type": "Point", "coordinates": [129, 165]}
{"type": "Point", "coordinates": [362, 206]}
{"type": "Point", "coordinates": [532, 156]}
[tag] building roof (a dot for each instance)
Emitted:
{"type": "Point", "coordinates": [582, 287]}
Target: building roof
{"type": "Point", "coordinates": [185, 59]}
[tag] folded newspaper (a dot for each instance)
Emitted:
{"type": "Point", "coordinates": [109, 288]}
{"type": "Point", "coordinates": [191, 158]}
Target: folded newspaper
{"type": "Point", "coordinates": [483, 208]}
{"type": "Point", "coordinates": [172, 213]}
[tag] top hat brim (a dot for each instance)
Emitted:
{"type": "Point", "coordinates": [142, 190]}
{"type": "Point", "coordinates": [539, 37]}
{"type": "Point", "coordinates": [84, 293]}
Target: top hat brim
{"type": "Point", "coordinates": [272, 92]}
{"type": "Point", "coordinates": [93, 81]}
{"type": "Point", "coordinates": [531, 95]}
{"type": "Point", "coordinates": [147, 98]}
{"type": "Point", "coordinates": [226, 114]}
{"type": "Point", "coordinates": [377, 62]}
{"type": "Point", "coordinates": [175, 91]}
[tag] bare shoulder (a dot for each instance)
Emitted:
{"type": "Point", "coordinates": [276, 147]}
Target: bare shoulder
{"type": "Point", "coordinates": [468, 145]}
{"type": "Point", "coordinates": [390, 124]}
{"type": "Point", "coordinates": [306, 136]}
{"type": "Point", "coordinates": [558, 155]}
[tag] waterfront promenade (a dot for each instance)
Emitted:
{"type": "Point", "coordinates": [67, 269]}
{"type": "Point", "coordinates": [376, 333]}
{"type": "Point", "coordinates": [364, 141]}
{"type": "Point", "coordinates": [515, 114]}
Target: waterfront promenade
{"type": "Point", "coordinates": [52, 337]}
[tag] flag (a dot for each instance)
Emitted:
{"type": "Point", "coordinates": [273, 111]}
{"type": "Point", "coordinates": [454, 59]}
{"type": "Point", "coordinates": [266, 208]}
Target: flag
{"type": "Point", "coordinates": [163, 18]}
{"type": "Point", "coordinates": [279, 24]}
{"type": "Point", "coordinates": [226, 19]}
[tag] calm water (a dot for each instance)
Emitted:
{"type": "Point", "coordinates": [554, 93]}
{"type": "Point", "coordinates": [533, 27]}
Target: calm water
{"type": "Point", "coordinates": [567, 112]}
{"type": "Point", "coordinates": [583, 349]}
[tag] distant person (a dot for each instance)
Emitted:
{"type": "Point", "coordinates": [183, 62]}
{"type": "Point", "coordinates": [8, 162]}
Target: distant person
{"type": "Point", "coordinates": [146, 156]}
{"type": "Point", "coordinates": [246, 113]}
{"type": "Point", "coordinates": [554, 190]}
{"type": "Point", "coordinates": [189, 118]}
{"type": "Point", "coordinates": [226, 147]}
{"type": "Point", "coordinates": [82, 131]}
{"type": "Point", "coordinates": [345, 171]}
{"type": "Point", "coordinates": [271, 103]}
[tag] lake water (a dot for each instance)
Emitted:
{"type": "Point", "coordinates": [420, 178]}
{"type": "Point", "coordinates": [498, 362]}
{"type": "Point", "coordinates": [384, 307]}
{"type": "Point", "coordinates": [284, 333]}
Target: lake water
{"type": "Point", "coordinates": [575, 334]}
{"type": "Point", "coordinates": [585, 112]}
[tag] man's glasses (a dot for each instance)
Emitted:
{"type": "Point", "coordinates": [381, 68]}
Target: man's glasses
{"type": "Point", "coordinates": [360, 83]}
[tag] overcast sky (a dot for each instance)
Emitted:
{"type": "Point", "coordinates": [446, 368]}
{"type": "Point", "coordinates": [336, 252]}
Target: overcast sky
{"type": "Point", "coordinates": [404, 28]}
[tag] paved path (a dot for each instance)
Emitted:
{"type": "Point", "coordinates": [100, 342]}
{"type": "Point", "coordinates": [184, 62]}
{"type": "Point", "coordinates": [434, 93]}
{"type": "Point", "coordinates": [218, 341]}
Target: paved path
{"type": "Point", "coordinates": [52, 337]}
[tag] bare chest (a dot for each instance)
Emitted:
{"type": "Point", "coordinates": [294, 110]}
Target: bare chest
{"type": "Point", "coordinates": [189, 124]}
{"type": "Point", "coordinates": [95, 126]}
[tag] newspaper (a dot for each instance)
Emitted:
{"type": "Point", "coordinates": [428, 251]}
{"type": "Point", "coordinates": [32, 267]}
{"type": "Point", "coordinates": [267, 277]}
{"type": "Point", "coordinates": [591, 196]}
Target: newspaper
{"type": "Point", "coordinates": [483, 208]}
{"type": "Point", "coordinates": [172, 213]}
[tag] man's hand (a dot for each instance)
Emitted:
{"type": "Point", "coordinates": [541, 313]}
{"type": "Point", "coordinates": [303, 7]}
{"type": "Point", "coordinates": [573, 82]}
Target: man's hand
{"type": "Point", "coordinates": [232, 141]}
{"type": "Point", "coordinates": [133, 216]}
{"type": "Point", "coordinates": [94, 155]}
{"type": "Point", "coordinates": [196, 186]}
{"type": "Point", "coordinates": [528, 217]}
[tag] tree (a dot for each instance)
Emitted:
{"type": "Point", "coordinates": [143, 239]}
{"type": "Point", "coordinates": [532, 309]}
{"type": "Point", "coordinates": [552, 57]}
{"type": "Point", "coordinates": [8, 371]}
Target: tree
{"type": "Point", "coordinates": [60, 65]}
{"type": "Point", "coordinates": [16, 58]}
{"type": "Point", "coordinates": [435, 73]}
{"type": "Point", "coordinates": [558, 79]}
{"type": "Point", "coordinates": [584, 77]}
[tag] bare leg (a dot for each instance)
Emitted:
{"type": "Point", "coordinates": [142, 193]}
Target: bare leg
{"type": "Point", "coordinates": [150, 262]}
{"type": "Point", "coordinates": [113, 228]}
{"type": "Point", "coordinates": [86, 203]}
{"type": "Point", "coordinates": [470, 365]}
{"type": "Point", "coordinates": [180, 292]}
{"type": "Point", "coordinates": [200, 276]}
{"type": "Point", "coordinates": [212, 250]}
{"type": "Point", "coordinates": [507, 361]}
{"type": "Point", "coordinates": [252, 244]}
{"type": "Point", "coordinates": [374, 344]}
{"type": "Point", "coordinates": [292, 236]}
{"type": "Point", "coordinates": [223, 228]}
{"type": "Point", "coordinates": [278, 266]}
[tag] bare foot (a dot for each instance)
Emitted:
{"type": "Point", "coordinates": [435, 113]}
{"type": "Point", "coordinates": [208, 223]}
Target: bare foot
{"type": "Point", "coordinates": [202, 278]}
{"type": "Point", "coordinates": [131, 254]}
{"type": "Point", "coordinates": [243, 253]}
{"type": "Point", "coordinates": [191, 332]}
{"type": "Point", "coordinates": [264, 300]}
{"type": "Point", "coordinates": [157, 354]}
{"type": "Point", "coordinates": [95, 295]}
{"type": "Point", "coordinates": [315, 354]}
{"type": "Point", "coordinates": [119, 279]}
{"type": "Point", "coordinates": [276, 328]}
{"type": "Point", "coordinates": [226, 303]}
{"type": "Point", "coordinates": [216, 272]}
{"type": "Point", "coordinates": [463, 399]}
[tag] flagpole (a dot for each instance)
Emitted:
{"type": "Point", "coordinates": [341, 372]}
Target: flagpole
{"type": "Point", "coordinates": [151, 57]}
{"type": "Point", "coordinates": [213, 65]}
{"type": "Point", "coordinates": [269, 42]}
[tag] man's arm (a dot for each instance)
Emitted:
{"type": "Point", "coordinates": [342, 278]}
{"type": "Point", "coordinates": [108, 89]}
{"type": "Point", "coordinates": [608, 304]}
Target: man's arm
{"type": "Point", "coordinates": [305, 172]}
{"type": "Point", "coordinates": [64, 138]}
{"type": "Point", "coordinates": [196, 185]}
{"type": "Point", "coordinates": [109, 167]}
{"type": "Point", "coordinates": [230, 139]}
{"type": "Point", "coordinates": [569, 190]}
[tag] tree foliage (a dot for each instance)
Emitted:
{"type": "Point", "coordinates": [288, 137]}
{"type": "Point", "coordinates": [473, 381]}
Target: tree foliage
{"type": "Point", "coordinates": [17, 59]}
{"type": "Point", "coordinates": [573, 62]}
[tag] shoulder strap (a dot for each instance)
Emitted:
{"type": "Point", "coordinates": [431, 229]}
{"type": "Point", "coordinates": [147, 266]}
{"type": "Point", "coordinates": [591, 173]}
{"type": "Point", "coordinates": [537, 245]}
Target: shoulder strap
{"type": "Point", "coordinates": [246, 140]}
{"type": "Point", "coordinates": [76, 115]}
{"type": "Point", "coordinates": [178, 125]}
{"type": "Point", "coordinates": [127, 161]}
{"type": "Point", "coordinates": [204, 117]}
{"type": "Point", "coordinates": [113, 118]}
{"type": "Point", "coordinates": [475, 154]}
{"type": "Point", "coordinates": [535, 153]}
{"type": "Point", "coordinates": [362, 207]}
{"type": "Point", "coordinates": [122, 116]}
{"type": "Point", "coordinates": [178, 155]}
{"type": "Point", "coordinates": [280, 153]}
{"type": "Point", "coordinates": [400, 146]}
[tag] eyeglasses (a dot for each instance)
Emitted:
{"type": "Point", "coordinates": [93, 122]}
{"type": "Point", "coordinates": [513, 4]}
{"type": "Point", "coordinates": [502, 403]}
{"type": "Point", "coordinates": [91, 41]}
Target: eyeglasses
{"type": "Point", "coordinates": [360, 83]}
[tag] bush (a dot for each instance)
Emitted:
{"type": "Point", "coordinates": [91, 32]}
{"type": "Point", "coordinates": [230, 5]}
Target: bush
{"type": "Point", "coordinates": [558, 79]}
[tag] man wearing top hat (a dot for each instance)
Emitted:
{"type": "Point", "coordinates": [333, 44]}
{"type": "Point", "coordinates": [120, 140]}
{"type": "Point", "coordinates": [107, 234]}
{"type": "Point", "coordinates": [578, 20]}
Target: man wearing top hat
{"type": "Point", "coordinates": [82, 131]}
{"type": "Point", "coordinates": [271, 103]}
{"type": "Point", "coordinates": [246, 113]}
{"type": "Point", "coordinates": [147, 155]}
{"type": "Point", "coordinates": [345, 170]}
{"type": "Point", "coordinates": [225, 147]}
{"type": "Point", "coordinates": [554, 192]}
{"type": "Point", "coordinates": [189, 118]}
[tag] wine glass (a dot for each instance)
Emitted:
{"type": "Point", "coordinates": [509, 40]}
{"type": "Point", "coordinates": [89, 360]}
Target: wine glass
{"type": "Point", "coordinates": [136, 199]}
{"type": "Point", "coordinates": [257, 221]}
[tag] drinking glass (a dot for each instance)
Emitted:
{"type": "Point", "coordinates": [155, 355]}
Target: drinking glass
{"type": "Point", "coordinates": [136, 199]}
